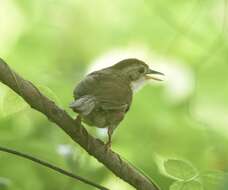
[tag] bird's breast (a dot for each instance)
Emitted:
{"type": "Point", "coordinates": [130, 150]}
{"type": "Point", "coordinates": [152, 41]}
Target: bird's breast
{"type": "Point", "coordinates": [137, 85]}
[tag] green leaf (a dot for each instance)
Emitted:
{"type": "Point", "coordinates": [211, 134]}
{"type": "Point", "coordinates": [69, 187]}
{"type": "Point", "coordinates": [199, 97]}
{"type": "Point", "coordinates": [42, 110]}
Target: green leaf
{"type": "Point", "coordinates": [179, 169]}
{"type": "Point", "coordinates": [190, 185]}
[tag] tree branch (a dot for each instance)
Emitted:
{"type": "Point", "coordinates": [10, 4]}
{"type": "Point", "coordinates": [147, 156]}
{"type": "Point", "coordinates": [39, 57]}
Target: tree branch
{"type": "Point", "coordinates": [77, 132]}
{"type": "Point", "coordinates": [55, 168]}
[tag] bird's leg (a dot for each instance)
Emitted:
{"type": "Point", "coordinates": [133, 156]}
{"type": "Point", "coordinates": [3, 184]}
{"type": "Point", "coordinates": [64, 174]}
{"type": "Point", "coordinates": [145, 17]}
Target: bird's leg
{"type": "Point", "coordinates": [109, 143]}
{"type": "Point", "coordinates": [110, 132]}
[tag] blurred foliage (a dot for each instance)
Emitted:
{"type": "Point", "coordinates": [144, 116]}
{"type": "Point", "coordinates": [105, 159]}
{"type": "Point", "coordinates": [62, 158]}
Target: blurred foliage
{"type": "Point", "coordinates": [188, 178]}
{"type": "Point", "coordinates": [53, 42]}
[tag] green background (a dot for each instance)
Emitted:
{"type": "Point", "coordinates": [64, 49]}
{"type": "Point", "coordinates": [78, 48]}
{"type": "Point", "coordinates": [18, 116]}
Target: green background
{"type": "Point", "coordinates": [53, 43]}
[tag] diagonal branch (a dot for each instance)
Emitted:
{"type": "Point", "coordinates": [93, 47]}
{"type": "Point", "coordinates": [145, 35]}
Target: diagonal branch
{"type": "Point", "coordinates": [77, 132]}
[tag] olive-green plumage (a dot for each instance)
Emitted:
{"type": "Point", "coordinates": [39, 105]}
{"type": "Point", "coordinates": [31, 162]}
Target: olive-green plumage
{"type": "Point", "coordinates": [103, 97]}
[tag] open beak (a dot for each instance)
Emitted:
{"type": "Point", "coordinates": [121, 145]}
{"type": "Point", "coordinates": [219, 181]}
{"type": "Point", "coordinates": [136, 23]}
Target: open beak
{"type": "Point", "coordinates": [152, 72]}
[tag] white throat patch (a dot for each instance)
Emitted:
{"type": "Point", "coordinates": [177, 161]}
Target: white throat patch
{"type": "Point", "coordinates": [137, 85]}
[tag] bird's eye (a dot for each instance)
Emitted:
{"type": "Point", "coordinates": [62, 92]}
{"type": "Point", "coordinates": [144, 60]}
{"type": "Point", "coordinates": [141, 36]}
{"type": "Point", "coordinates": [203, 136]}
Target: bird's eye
{"type": "Point", "coordinates": [141, 70]}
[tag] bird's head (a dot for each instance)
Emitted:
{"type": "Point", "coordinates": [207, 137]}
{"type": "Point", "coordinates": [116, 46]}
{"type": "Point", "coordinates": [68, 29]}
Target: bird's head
{"type": "Point", "coordinates": [136, 72]}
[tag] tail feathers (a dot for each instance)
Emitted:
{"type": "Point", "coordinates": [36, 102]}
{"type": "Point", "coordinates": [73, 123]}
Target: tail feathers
{"type": "Point", "coordinates": [84, 105]}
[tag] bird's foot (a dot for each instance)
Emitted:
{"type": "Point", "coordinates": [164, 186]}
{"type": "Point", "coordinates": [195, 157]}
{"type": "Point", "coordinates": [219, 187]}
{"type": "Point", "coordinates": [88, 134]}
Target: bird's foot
{"type": "Point", "coordinates": [108, 145]}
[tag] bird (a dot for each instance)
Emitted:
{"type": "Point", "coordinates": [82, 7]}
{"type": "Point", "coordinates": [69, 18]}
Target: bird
{"type": "Point", "coordinates": [103, 97]}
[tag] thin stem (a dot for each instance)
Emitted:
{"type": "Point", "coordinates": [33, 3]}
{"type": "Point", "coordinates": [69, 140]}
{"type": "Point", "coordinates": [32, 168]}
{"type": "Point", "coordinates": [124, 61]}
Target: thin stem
{"type": "Point", "coordinates": [55, 168]}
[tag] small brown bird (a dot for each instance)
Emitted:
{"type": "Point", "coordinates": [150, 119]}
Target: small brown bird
{"type": "Point", "coordinates": [103, 98]}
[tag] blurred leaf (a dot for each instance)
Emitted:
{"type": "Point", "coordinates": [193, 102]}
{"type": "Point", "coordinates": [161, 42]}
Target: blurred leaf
{"type": "Point", "coordinates": [179, 169]}
{"type": "Point", "coordinates": [12, 103]}
{"type": "Point", "coordinates": [190, 185]}
{"type": "Point", "coordinates": [214, 176]}
{"type": "Point", "coordinates": [213, 179]}
{"type": "Point", "coordinates": [4, 183]}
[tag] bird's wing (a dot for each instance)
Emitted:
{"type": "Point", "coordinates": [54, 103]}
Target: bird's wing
{"type": "Point", "coordinates": [112, 106]}
{"type": "Point", "coordinates": [109, 91]}
{"type": "Point", "coordinates": [84, 104]}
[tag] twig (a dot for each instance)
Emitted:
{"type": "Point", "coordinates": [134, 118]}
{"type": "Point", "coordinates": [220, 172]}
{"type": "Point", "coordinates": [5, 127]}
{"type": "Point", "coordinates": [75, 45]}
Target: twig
{"type": "Point", "coordinates": [57, 169]}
